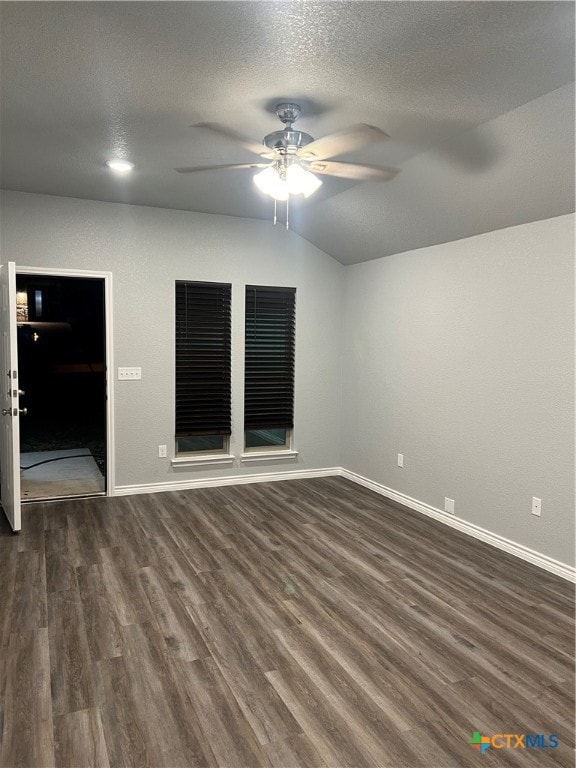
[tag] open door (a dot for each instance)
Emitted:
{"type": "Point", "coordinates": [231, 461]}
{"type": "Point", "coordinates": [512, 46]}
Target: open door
{"type": "Point", "coordinates": [9, 399]}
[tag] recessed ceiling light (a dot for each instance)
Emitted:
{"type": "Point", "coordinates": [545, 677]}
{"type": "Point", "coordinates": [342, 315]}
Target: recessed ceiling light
{"type": "Point", "coordinates": [120, 166]}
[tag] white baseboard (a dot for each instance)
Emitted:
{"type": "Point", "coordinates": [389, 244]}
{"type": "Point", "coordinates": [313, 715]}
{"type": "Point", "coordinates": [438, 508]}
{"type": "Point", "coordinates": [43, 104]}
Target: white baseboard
{"type": "Point", "coordinates": [261, 477]}
{"type": "Point", "coordinates": [507, 545]}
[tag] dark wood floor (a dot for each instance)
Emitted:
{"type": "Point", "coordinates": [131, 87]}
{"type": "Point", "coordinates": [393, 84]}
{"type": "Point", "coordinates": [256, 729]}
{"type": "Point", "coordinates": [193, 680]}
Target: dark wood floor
{"type": "Point", "coordinates": [300, 623]}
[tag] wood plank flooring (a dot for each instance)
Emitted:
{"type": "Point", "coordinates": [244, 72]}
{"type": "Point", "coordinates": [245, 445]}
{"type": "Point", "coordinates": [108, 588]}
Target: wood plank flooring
{"type": "Point", "coordinates": [296, 624]}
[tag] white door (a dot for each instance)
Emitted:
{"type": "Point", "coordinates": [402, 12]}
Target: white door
{"type": "Point", "coordinates": [9, 392]}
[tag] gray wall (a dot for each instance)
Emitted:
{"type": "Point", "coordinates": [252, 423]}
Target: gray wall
{"type": "Point", "coordinates": [147, 249]}
{"type": "Point", "coordinates": [461, 357]}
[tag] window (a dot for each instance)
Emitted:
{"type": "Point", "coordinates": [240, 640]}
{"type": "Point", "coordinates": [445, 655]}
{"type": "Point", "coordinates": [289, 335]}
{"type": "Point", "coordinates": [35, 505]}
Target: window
{"type": "Point", "coordinates": [202, 367]}
{"type": "Point", "coordinates": [269, 368]}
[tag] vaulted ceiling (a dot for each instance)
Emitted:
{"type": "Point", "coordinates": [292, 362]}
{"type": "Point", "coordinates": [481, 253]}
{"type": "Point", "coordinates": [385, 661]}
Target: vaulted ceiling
{"type": "Point", "coordinates": [477, 98]}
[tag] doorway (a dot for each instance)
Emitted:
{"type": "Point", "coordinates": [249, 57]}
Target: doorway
{"type": "Point", "coordinates": [61, 331]}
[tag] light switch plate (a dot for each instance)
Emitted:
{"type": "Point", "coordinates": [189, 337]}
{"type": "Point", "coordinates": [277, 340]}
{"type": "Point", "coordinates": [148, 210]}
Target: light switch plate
{"type": "Point", "coordinates": [129, 374]}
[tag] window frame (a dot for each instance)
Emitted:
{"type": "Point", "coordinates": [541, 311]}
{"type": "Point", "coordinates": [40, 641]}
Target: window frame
{"type": "Point", "coordinates": [209, 456]}
{"type": "Point", "coordinates": [285, 446]}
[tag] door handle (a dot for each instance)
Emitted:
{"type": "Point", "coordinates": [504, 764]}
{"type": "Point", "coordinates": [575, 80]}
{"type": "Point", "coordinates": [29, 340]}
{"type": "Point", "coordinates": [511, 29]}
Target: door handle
{"type": "Point", "coordinates": [6, 411]}
{"type": "Point", "coordinates": [23, 411]}
{"type": "Point", "coordinates": [14, 411]}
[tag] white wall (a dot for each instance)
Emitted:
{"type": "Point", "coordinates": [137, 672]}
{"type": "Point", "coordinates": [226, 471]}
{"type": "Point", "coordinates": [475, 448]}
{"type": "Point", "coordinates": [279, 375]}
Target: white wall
{"type": "Point", "coordinates": [461, 357]}
{"type": "Point", "coordinates": [147, 249]}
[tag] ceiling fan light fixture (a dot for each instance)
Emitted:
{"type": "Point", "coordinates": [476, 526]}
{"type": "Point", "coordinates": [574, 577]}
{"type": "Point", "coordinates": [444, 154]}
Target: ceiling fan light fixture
{"type": "Point", "coordinates": [271, 183]}
{"type": "Point", "coordinates": [300, 181]}
{"type": "Point", "coordinates": [297, 181]}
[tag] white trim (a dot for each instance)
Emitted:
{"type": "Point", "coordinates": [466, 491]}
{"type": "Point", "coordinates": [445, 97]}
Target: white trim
{"type": "Point", "coordinates": [273, 455]}
{"type": "Point", "coordinates": [109, 331]}
{"type": "Point", "coordinates": [500, 542]}
{"type": "Point", "coordinates": [109, 335]}
{"type": "Point", "coordinates": [266, 477]}
{"type": "Point", "coordinates": [50, 272]}
{"type": "Point", "coordinates": [193, 461]}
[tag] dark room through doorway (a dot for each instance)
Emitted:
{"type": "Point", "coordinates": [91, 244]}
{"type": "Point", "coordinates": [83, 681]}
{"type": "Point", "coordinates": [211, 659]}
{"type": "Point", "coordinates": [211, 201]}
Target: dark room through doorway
{"type": "Point", "coordinates": [62, 360]}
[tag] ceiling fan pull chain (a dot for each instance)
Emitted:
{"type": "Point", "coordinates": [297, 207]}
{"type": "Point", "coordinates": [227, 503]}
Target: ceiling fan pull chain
{"type": "Point", "coordinates": [287, 206]}
{"type": "Point", "coordinates": [275, 219]}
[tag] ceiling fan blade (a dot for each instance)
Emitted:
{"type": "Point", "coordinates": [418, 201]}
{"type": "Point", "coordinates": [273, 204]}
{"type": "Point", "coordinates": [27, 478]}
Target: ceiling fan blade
{"type": "Point", "coordinates": [343, 141]}
{"type": "Point", "coordinates": [237, 167]}
{"type": "Point", "coordinates": [228, 133]}
{"type": "Point", "coordinates": [353, 171]}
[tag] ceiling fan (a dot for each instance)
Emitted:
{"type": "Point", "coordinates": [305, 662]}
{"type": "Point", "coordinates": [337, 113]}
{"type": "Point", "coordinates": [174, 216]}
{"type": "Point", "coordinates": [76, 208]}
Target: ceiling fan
{"type": "Point", "coordinates": [294, 157]}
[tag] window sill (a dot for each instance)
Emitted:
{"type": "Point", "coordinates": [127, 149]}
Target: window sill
{"type": "Point", "coordinates": [196, 461]}
{"type": "Point", "coordinates": [246, 458]}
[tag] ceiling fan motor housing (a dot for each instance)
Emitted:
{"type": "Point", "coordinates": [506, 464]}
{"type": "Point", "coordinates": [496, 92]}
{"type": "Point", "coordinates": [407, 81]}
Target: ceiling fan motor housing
{"type": "Point", "coordinates": [287, 141]}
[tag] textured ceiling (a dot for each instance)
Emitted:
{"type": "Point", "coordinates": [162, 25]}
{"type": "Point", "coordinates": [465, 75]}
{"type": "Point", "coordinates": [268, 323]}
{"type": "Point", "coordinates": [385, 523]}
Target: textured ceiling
{"type": "Point", "coordinates": [82, 82]}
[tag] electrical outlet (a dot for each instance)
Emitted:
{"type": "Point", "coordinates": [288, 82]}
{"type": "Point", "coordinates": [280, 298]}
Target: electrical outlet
{"type": "Point", "coordinates": [448, 505]}
{"type": "Point", "coordinates": [536, 506]}
{"type": "Point", "coordinates": [400, 459]}
{"type": "Point", "coordinates": [162, 452]}
{"type": "Point", "coordinates": [129, 374]}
